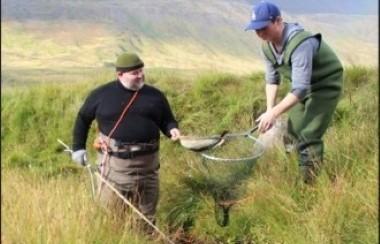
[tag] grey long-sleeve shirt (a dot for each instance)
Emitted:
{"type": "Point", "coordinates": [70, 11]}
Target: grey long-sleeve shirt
{"type": "Point", "coordinates": [301, 59]}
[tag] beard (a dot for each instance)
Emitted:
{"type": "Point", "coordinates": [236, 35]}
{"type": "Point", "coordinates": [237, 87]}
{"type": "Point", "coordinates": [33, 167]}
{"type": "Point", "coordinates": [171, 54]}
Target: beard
{"type": "Point", "coordinates": [134, 85]}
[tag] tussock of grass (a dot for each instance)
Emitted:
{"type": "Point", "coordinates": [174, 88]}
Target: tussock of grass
{"type": "Point", "coordinates": [45, 198]}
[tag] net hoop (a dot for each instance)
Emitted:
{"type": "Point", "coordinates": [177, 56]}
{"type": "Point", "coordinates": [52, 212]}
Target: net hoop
{"type": "Point", "coordinates": [236, 160]}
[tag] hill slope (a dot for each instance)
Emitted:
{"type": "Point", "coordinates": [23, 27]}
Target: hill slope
{"type": "Point", "coordinates": [171, 34]}
{"type": "Point", "coordinates": [271, 206]}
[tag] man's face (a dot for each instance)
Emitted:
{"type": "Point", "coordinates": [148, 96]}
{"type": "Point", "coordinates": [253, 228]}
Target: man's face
{"type": "Point", "coordinates": [271, 32]}
{"type": "Point", "coordinates": [133, 79]}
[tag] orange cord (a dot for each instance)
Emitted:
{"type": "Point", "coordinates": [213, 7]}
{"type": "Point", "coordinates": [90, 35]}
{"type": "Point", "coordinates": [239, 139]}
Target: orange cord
{"type": "Point", "coordinates": [104, 144]}
{"type": "Point", "coordinates": [122, 115]}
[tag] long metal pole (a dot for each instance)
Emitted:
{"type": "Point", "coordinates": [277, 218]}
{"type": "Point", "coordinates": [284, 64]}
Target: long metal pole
{"type": "Point", "coordinates": [141, 215]}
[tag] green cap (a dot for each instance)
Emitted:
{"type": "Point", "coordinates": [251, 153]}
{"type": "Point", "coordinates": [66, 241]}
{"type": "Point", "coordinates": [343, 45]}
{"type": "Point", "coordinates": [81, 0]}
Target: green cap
{"type": "Point", "coordinates": [128, 61]}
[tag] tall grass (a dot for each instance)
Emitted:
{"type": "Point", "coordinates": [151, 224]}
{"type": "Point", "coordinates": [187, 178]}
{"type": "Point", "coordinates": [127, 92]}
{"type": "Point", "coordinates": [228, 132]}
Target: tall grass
{"type": "Point", "coordinates": [37, 209]}
{"type": "Point", "coordinates": [46, 199]}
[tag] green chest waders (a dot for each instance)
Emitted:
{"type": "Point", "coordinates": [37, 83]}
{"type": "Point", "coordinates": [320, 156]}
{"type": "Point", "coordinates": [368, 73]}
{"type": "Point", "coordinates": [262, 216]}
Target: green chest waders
{"type": "Point", "coordinates": [309, 119]}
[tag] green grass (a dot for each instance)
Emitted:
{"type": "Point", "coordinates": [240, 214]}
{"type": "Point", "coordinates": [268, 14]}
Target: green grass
{"type": "Point", "coordinates": [46, 198]}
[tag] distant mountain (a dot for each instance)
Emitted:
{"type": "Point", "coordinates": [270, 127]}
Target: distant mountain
{"type": "Point", "coordinates": [172, 34]}
{"type": "Point", "coordinates": [82, 9]}
{"type": "Point", "coordinates": [351, 7]}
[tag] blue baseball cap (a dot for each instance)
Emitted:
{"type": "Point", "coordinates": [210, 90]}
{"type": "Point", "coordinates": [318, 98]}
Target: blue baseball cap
{"type": "Point", "coordinates": [262, 14]}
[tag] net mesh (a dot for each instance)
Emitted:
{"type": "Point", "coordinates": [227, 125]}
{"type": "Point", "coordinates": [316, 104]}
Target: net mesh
{"type": "Point", "coordinates": [221, 171]}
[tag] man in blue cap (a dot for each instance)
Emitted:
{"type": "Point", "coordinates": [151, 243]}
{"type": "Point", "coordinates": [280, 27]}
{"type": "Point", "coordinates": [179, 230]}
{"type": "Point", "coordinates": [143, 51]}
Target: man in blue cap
{"type": "Point", "coordinates": [316, 76]}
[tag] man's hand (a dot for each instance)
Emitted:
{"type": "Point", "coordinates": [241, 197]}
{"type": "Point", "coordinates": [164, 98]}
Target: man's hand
{"type": "Point", "coordinates": [266, 121]}
{"type": "Point", "coordinates": [175, 134]}
{"type": "Point", "coordinates": [79, 157]}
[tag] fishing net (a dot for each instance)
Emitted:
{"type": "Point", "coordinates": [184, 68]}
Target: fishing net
{"type": "Point", "coordinates": [199, 143]}
{"type": "Point", "coordinates": [221, 170]}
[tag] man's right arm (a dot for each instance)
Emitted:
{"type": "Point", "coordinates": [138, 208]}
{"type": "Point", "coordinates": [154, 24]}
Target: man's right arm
{"type": "Point", "coordinates": [80, 132]}
{"type": "Point", "coordinates": [272, 79]}
{"type": "Point", "coordinates": [271, 94]}
{"type": "Point", "coordinates": [83, 122]}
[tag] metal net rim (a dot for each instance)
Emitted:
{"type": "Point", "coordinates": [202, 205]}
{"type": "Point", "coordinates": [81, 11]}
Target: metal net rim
{"type": "Point", "coordinates": [236, 160]}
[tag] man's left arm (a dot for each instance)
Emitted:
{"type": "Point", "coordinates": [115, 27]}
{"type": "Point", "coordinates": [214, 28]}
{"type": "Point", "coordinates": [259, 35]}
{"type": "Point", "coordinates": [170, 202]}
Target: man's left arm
{"type": "Point", "coordinates": [169, 126]}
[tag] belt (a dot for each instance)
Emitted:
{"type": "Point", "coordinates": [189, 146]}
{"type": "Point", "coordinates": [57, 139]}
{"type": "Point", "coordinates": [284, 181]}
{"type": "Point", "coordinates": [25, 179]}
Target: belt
{"type": "Point", "coordinates": [130, 154]}
{"type": "Point", "coordinates": [136, 146]}
{"type": "Point", "coordinates": [127, 150]}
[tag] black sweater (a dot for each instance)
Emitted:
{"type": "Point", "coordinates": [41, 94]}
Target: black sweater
{"type": "Point", "coordinates": [149, 113]}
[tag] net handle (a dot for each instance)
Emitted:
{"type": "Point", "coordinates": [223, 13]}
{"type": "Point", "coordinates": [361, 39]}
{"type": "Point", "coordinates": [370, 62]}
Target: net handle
{"type": "Point", "coordinates": [246, 133]}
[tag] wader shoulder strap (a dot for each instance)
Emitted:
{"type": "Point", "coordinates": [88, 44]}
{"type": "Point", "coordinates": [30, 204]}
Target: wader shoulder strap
{"type": "Point", "coordinates": [295, 41]}
{"type": "Point", "coordinates": [291, 45]}
{"type": "Point", "coordinates": [268, 52]}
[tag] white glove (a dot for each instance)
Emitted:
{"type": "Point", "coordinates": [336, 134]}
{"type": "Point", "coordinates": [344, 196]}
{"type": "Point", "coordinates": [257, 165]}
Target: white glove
{"type": "Point", "coordinates": [79, 157]}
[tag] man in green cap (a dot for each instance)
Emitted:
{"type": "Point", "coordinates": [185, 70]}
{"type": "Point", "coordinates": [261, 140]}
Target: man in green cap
{"type": "Point", "coordinates": [130, 115]}
{"type": "Point", "coordinates": [316, 76]}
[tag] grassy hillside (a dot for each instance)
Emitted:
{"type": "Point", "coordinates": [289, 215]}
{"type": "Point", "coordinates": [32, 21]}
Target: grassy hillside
{"type": "Point", "coordinates": [181, 34]}
{"type": "Point", "coordinates": [272, 206]}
